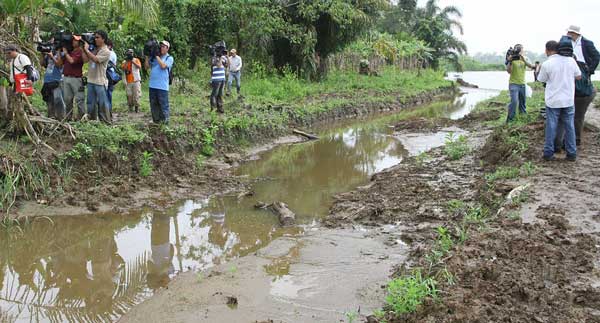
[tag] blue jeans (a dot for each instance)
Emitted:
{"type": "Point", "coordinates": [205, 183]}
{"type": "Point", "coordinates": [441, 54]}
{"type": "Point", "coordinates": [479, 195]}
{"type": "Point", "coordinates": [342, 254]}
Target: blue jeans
{"type": "Point", "coordinates": [159, 105]}
{"type": "Point", "coordinates": [557, 120]}
{"type": "Point", "coordinates": [109, 92]}
{"type": "Point", "coordinates": [517, 96]}
{"type": "Point", "coordinates": [237, 76]}
{"type": "Point", "coordinates": [97, 103]}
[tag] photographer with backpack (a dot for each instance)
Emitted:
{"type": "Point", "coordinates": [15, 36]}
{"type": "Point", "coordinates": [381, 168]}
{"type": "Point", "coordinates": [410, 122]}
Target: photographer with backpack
{"type": "Point", "coordinates": [160, 66]}
{"type": "Point", "coordinates": [22, 72]}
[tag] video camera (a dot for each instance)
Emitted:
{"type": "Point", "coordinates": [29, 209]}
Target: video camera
{"type": "Point", "coordinates": [513, 54]}
{"type": "Point", "coordinates": [218, 49]}
{"type": "Point", "coordinates": [152, 48]}
{"type": "Point", "coordinates": [64, 39]}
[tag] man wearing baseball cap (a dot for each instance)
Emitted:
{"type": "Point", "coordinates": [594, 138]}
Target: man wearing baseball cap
{"type": "Point", "coordinates": [587, 57]}
{"type": "Point", "coordinates": [73, 87]}
{"type": "Point", "coordinates": [160, 67]}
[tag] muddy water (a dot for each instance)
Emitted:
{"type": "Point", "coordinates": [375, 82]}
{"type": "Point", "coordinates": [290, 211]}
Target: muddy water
{"type": "Point", "coordinates": [95, 268]}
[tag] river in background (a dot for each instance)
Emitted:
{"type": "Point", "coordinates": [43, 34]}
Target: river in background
{"type": "Point", "coordinates": [494, 80]}
{"type": "Point", "coordinates": [95, 268]}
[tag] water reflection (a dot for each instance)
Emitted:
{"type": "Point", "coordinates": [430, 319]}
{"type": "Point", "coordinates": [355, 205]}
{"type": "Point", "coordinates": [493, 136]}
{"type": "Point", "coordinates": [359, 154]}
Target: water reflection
{"type": "Point", "coordinates": [94, 269]}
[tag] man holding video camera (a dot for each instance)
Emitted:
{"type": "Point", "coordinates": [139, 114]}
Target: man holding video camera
{"type": "Point", "coordinates": [160, 64]}
{"type": "Point", "coordinates": [73, 88]}
{"type": "Point", "coordinates": [516, 65]}
{"type": "Point", "coordinates": [52, 88]}
{"type": "Point", "coordinates": [131, 67]}
{"type": "Point", "coordinates": [97, 99]}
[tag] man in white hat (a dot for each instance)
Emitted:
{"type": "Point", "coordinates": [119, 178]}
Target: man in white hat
{"type": "Point", "coordinates": [588, 58]}
{"type": "Point", "coordinates": [160, 67]}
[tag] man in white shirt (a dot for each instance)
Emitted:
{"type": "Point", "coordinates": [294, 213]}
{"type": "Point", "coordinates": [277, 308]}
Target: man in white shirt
{"type": "Point", "coordinates": [235, 71]}
{"type": "Point", "coordinates": [559, 73]}
{"type": "Point", "coordinates": [19, 63]}
{"type": "Point", "coordinates": [588, 57]}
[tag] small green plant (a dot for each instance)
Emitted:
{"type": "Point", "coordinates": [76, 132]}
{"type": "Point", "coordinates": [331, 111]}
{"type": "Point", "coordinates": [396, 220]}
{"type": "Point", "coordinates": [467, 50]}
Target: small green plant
{"type": "Point", "coordinates": [79, 151]}
{"type": "Point", "coordinates": [448, 277]}
{"type": "Point", "coordinates": [455, 206]}
{"type": "Point", "coordinates": [523, 197]}
{"type": "Point", "coordinates": [513, 215]}
{"type": "Point", "coordinates": [443, 245]}
{"type": "Point", "coordinates": [462, 232]}
{"type": "Point", "coordinates": [405, 294]}
{"type": "Point", "coordinates": [380, 316]}
{"type": "Point", "coordinates": [476, 214]}
{"type": "Point", "coordinates": [503, 172]}
{"type": "Point", "coordinates": [528, 168]}
{"type": "Point", "coordinates": [233, 270]}
{"type": "Point", "coordinates": [146, 168]}
{"type": "Point", "coordinates": [456, 147]}
{"type": "Point", "coordinates": [199, 277]}
{"type": "Point", "coordinates": [421, 158]}
{"type": "Point", "coordinates": [351, 316]}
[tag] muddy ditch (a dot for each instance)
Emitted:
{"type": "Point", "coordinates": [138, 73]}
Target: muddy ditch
{"type": "Point", "coordinates": [105, 181]}
{"type": "Point", "coordinates": [535, 261]}
{"type": "Point", "coordinates": [135, 254]}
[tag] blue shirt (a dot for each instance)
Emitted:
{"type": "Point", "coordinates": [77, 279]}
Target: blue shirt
{"type": "Point", "coordinates": [159, 78]}
{"type": "Point", "coordinates": [53, 73]}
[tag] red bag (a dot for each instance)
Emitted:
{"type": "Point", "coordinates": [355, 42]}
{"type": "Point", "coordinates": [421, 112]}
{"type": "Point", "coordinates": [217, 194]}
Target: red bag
{"type": "Point", "coordinates": [22, 85]}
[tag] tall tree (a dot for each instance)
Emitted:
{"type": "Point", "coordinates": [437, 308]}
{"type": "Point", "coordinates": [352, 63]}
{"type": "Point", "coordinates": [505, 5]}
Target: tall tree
{"type": "Point", "coordinates": [436, 27]}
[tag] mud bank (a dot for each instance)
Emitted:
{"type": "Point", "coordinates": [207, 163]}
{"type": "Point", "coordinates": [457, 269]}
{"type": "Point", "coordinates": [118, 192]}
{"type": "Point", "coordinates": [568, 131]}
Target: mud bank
{"type": "Point", "coordinates": [534, 261]}
{"type": "Point", "coordinates": [108, 179]}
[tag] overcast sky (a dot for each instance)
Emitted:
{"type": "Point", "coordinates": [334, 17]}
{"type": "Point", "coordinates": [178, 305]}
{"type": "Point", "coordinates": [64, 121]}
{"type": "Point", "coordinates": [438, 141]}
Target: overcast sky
{"type": "Point", "coordinates": [493, 26]}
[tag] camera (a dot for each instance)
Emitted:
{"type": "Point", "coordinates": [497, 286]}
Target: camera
{"type": "Point", "coordinates": [129, 56]}
{"type": "Point", "coordinates": [218, 49]}
{"type": "Point", "coordinates": [513, 54]}
{"type": "Point", "coordinates": [151, 48]}
{"type": "Point", "coordinates": [46, 47]}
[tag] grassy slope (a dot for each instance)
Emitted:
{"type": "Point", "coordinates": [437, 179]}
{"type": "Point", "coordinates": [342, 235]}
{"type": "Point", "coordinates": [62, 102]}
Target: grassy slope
{"type": "Point", "coordinates": [132, 144]}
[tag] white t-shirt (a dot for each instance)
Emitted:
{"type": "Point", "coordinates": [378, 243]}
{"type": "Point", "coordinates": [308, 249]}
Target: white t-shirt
{"type": "Point", "coordinates": [19, 63]}
{"type": "Point", "coordinates": [559, 73]}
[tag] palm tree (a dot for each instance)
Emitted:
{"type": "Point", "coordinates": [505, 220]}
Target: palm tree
{"type": "Point", "coordinates": [436, 27]}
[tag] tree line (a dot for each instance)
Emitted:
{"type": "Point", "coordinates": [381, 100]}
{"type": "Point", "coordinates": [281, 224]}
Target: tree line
{"type": "Point", "coordinates": [301, 34]}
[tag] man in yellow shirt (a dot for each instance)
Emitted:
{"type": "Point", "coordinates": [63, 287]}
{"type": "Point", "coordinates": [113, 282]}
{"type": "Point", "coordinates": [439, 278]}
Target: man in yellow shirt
{"type": "Point", "coordinates": [516, 67]}
{"type": "Point", "coordinates": [131, 67]}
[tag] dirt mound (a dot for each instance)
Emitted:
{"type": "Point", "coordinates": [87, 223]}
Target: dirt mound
{"type": "Point", "coordinates": [520, 273]}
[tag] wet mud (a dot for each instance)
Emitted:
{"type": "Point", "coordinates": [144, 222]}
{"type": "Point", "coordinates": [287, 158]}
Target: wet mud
{"type": "Point", "coordinates": [535, 262]}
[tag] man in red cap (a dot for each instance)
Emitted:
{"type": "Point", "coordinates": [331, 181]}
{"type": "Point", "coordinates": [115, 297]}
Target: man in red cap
{"type": "Point", "coordinates": [73, 87]}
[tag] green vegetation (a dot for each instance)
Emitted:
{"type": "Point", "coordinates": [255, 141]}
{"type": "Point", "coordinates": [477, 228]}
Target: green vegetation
{"type": "Point", "coordinates": [456, 146]}
{"type": "Point", "coordinates": [146, 168]}
{"type": "Point", "coordinates": [405, 294]}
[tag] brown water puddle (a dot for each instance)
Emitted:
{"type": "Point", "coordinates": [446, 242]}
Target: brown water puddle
{"type": "Point", "coordinates": [96, 268]}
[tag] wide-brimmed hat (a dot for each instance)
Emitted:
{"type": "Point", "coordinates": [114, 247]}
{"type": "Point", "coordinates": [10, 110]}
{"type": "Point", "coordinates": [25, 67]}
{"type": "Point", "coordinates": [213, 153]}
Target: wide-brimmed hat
{"type": "Point", "coordinates": [574, 29]}
{"type": "Point", "coordinates": [233, 51]}
{"type": "Point", "coordinates": [166, 43]}
{"type": "Point", "coordinates": [129, 51]}
{"type": "Point", "coordinates": [76, 37]}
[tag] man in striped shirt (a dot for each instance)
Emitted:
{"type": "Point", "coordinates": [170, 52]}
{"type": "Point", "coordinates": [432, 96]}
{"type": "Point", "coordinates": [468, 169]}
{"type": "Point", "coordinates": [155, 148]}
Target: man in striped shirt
{"type": "Point", "coordinates": [218, 83]}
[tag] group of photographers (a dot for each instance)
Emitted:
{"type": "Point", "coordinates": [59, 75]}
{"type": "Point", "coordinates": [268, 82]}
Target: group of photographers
{"type": "Point", "coordinates": [568, 89]}
{"type": "Point", "coordinates": [64, 56]}
{"type": "Point", "coordinates": [64, 84]}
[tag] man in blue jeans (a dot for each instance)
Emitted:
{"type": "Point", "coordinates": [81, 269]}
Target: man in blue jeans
{"type": "Point", "coordinates": [97, 99]}
{"type": "Point", "coordinates": [160, 66]}
{"type": "Point", "coordinates": [559, 73]}
{"type": "Point", "coordinates": [516, 67]}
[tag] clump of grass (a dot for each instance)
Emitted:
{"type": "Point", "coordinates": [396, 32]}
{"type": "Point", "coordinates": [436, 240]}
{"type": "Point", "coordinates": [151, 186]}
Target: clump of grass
{"type": "Point", "coordinates": [405, 294]}
{"type": "Point", "coordinates": [200, 160]}
{"type": "Point", "coordinates": [503, 172]}
{"type": "Point", "coordinates": [443, 245]}
{"type": "Point", "coordinates": [421, 158]}
{"type": "Point", "coordinates": [79, 151]}
{"type": "Point", "coordinates": [456, 147]}
{"type": "Point", "coordinates": [146, 168]}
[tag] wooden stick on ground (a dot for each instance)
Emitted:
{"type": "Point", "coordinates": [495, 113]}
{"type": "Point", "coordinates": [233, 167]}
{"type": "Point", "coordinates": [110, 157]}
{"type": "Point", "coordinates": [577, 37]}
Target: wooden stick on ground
{"type": "Point", "coordinates": [304, 134]}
